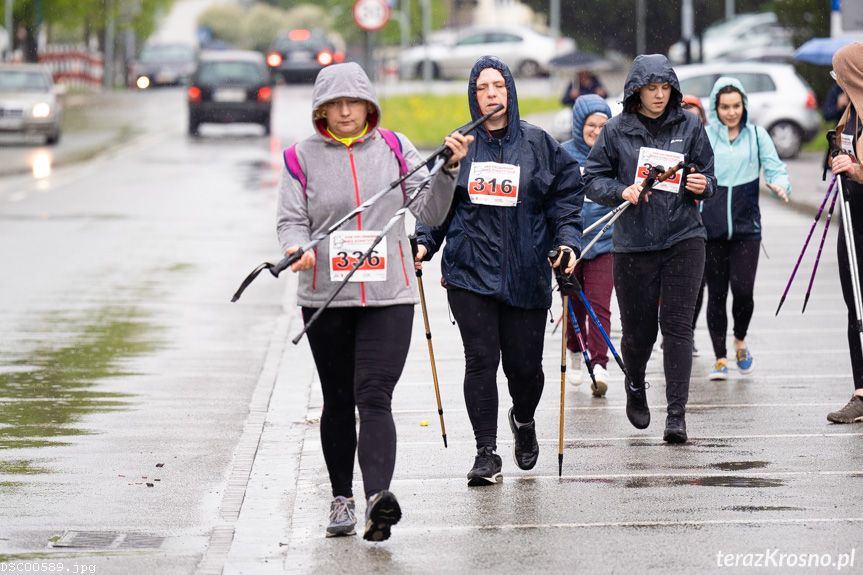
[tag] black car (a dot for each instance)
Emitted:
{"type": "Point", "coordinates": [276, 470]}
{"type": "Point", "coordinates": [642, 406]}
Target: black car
{"type": "Point", "coordinates": [231, 86]}
{"type": "Point", "coordinates": [162, 65]}
{"type": "Point", "coordinates": [300, 54]}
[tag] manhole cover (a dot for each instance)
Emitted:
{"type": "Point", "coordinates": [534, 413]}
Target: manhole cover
{"type": "Point", "coordinates": [108, 540]}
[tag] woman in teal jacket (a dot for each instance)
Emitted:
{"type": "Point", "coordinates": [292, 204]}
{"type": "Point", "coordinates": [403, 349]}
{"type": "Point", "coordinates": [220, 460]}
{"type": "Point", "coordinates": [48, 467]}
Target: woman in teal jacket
{"type": "Point", "coordinates": [733, 219]}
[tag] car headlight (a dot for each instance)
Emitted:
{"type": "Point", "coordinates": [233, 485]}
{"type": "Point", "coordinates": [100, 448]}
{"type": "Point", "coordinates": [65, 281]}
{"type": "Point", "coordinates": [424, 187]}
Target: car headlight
{"type": "Point", "coordinates": [143, 82]}
{"type": "Point", "coordinates": [41, 110]}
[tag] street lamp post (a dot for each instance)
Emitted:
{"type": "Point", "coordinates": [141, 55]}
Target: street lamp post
{"type": "Point", "coordinates": [9, 35]}
{"type": "Point", "coordinates": [687, 27]}
{"type": "Point", "coordinates": [641, 27]}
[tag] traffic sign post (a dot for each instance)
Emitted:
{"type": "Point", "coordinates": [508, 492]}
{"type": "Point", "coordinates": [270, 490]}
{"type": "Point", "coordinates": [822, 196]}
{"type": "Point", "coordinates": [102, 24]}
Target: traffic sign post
{"type": "Point", "coordinates": [371, 16]}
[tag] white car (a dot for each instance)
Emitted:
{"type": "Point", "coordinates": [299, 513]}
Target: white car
{"type": "Point", "coordinates": [727, 40]}
{"type": "Point", "coordinates": [779, 100]}
{"type": "Point", "coordinates": [524, 50]}
{"type": "Point", "coordinates": [30, 101]}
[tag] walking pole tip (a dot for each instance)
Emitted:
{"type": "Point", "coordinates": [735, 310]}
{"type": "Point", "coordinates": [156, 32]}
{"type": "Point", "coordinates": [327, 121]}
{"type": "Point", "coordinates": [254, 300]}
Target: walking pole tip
{"type": "Point", "coordinates": [560, 464]}
{"type": "Point", "coordinates": [444, 441]}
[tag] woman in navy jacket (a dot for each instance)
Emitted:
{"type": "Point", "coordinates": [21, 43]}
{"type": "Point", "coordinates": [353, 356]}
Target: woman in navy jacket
{"type": "Point", "coordinates": [518, 195]}
{"type": "Point", "coordinates": [659, 241]}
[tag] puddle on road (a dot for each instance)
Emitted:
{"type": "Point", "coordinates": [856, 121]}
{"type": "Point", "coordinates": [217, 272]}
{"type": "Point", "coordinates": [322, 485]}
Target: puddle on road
{"type": "Point", "coordinates": [740, 465]}
{"type": "Point", "coordinates": [754, 508]}
{"type": "Point", "coordinates": [45, 394]}
{"type": "Point", "coordinates": [660, 481]}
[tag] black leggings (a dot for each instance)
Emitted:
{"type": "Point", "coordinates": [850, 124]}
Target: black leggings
{"type": "Point", "coordinates": [492, 331]}
{"type": "Point", "coordinates": [848, 295]}
{"type": "Point", "coordinates": [666, 283]}
{"type": "Point", "coordinates": [734, 263]}
{"type": "Point", "coordinates": [360, 354]}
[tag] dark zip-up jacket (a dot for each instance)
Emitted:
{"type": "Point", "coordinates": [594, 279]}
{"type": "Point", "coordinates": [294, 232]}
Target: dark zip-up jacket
{"type": "Point", "coordinates": [667, 218]}
{"type": "Point", "coordinates": [501, 251]}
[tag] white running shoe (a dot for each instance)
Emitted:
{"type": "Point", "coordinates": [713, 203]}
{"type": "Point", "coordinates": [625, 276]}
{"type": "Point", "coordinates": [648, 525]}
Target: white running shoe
{"type": "Point", "coordinates": [600, 374]}
{"type": "Point", "coordinates": [573, 372]}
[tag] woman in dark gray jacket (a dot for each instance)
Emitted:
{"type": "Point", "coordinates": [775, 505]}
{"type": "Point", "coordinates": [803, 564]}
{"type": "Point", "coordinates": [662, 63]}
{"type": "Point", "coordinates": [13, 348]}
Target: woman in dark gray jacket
{"type": "Point", "coordinates": [659, 241]}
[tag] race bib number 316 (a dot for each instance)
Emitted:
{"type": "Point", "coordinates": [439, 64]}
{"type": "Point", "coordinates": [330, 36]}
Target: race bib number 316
{"type": "Point", "coordinates": [346, 249]}
{"type": "Point", "coordinates": [493, 184]}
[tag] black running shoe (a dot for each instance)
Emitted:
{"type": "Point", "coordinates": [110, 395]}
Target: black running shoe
{"type": "Point", "coordinates": [675, 429]}
{"type": "Point", "coordinates": [486, 468]}
{"type": "Point", "coordinates": [636, 404]}
{"type": "Point", "coordinates": [526, 448]}
{"type": "Point", "coordinates": [382, 512]}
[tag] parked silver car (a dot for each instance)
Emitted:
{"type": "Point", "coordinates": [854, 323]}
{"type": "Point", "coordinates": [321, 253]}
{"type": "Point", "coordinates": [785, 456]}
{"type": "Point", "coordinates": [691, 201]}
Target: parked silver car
{"type": "Point", "coordinates": [729, 40]}
{"type": "Point", "coordinates": [524, 50]}
{"type": "Point", "coordinates": [29, 101]}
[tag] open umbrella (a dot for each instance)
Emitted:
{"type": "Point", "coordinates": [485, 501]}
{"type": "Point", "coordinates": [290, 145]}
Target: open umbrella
{"type": "Point", "coordinates": [821, 50]}
{"type": "Point", "coordinates": [580, 62]}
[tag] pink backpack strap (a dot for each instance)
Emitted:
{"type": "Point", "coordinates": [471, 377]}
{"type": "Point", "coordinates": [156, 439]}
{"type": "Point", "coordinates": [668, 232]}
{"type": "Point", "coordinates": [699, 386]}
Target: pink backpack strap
{"type": "Point", "coordinates": [396, 146]}
{"type": "Point", "coordinates": [292, 163]}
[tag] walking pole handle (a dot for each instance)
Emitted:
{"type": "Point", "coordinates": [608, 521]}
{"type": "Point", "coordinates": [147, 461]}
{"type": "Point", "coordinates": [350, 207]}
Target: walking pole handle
{"type": "Point", "coordinates": [414, 247]}
{"type": "Point", "coordinates": [564, 281]}
{"type": "Point", "coordinates": [286, 262]}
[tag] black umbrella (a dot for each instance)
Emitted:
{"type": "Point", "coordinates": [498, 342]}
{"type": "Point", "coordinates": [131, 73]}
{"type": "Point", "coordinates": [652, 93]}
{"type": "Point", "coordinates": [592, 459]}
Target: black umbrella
{"type": "Point", "coordinates": [580, 62]}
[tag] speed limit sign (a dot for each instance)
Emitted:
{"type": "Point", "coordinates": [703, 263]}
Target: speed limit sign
{"type": "Point", "coordinates": [371, 15]}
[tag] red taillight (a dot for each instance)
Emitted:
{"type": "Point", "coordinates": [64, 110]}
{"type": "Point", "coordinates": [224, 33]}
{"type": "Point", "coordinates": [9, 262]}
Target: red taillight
{"type": "Point", "coordinates": [811, 103]}
{"type": "Point", "coordinates": [324, 58]}
{"type": "Point", "coordinates": [194, 94]}
{"type": "Point", "coordinates": [264, 94]}
{"type": "Point", "coordinates": [299, 35]}
{"type": "Point", "coordinates": [338, 57]}
{"type": "Point", "coordinates": [274, 59]}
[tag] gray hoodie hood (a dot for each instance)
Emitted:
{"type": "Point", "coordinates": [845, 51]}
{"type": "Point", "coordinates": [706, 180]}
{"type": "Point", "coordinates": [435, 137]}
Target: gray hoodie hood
{"type": "Point", "coordinates": [346, 80]}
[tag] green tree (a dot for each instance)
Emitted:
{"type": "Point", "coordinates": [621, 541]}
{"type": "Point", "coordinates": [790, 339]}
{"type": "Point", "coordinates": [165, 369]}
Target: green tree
{"type": "Point", "coordinates": [79, 18]}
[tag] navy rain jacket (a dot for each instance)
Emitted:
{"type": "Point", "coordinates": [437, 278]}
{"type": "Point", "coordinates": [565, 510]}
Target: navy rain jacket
{"type": "Point", "coordinates": [667, 218]}
{"type": "Point", "coordinates": [502, 251]}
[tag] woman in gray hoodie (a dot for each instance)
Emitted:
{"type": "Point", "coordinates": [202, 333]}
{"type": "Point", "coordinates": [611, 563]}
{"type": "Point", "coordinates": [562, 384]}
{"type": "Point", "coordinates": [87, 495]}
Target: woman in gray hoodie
{"type": "Point", "coordinates": [361, 341]}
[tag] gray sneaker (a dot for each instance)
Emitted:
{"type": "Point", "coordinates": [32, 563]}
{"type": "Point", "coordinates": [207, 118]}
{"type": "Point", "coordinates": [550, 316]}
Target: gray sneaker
{"type": "Point", "coordinates": [343, 517]}
{"type": "Point", "coordinates": [851, 413]}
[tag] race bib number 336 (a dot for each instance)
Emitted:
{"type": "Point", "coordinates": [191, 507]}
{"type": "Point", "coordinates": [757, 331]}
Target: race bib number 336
{"type": "Point", "coordinates": [346, 249]}
{"type": "Point", "coordinates": [493, 184]}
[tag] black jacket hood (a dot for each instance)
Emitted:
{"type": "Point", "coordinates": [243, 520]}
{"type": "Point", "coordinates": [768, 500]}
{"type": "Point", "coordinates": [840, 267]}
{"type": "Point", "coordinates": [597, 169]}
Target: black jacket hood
{"type": "Point", "coordinates": [484, 62]}
{"type": "Point", "coordinates": [647, 69]}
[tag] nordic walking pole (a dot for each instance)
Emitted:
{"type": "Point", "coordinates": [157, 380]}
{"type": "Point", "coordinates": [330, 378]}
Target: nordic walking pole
{"type": "Point", "coordinates": [562, 385]}
{"type": "Point", "coordinates": [590, 311]}
{"type": "Point", "coordinates": [820, 247]}
{"type": "Point", "coordinates": [805, 244]}
{"type": "Point", "coordinates": [851, 248]}
{"type": "Point", "coordinates": [581, 342]}
{"type": "Point", "coordinates": [286, 262]}
{"type": "Point", "coordinates": [419, 274]}
{"type": "Point", "coordinates": [563, 284]}
{"type": "Point", "coordinates": [396, 219]}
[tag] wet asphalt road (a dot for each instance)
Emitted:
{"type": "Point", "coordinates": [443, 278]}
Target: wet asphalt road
{"type": "Point", "coordinates": [149, 426]}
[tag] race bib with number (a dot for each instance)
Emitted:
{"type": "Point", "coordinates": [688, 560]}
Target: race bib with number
{"type": "Point", "coordinates": [493, 184]}
{"type": "Point", "coordinates": [848, 144]}
{"type": "Point", "coordinates": [346, 249]}
{"type": "Point", "coordinates": [648, 157]}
